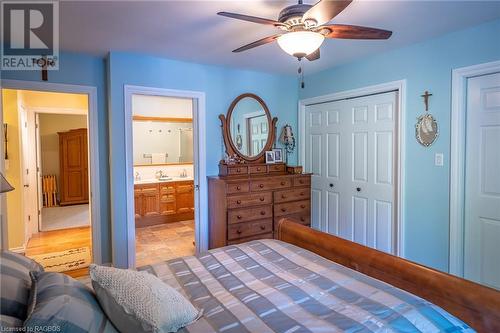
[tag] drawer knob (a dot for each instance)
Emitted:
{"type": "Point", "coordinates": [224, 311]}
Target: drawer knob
{"type": "Point", "coordinates": [239, 217]}
{"type": "Point", "coordinates": [301, 181]}
{"type": "Point", "coordinates": [258, 169]}
{"type": "Point", "coordinates": [302, 206]}
{"type": "Point", "coordinates": [283, 209]}
{"type": "Point", "coordinates": [238, 170]}
{"type": "Point", "coordinates": [302, 193]}
{"type": "Point", "coordinates": [262, 227]}
{"type": "Point", "coordinates": [283, 183]}
{"type": "Point", "coordinates": [283, 196]}
{"type": "Point", "coordinates": [238, 187]}
{"type": "Point", "coordinates": [262, 198]}
{"type": "Point", "coordinates": [261, 185]}
{"type": "Point", "coordinates": [262, 212]}
{"type": "Point", "coordinates": [238, 231]}
{"type": "Point", "coordinates": [302, 218]}
{"type": "Point", "coordinates": [238, 202]}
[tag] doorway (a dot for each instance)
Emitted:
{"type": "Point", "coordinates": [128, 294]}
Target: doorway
{"type": "Point", "coordinates": [350, 143]}
{"type": "Point", "coordinates": [165, 169]}
{"type": "Point", "coordinates": [475, 182]}
{"type": "Point", "coordinates": [57, 126]}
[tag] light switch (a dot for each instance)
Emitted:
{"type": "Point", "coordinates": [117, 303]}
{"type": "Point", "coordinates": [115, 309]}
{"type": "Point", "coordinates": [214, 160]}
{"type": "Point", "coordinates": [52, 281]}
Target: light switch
{"type": "Point", "coordinates": [438, 159]}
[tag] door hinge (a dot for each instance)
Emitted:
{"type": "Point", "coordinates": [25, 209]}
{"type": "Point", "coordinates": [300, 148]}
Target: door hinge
{"type": "Point", "coordinates": [29, 217]}
{"type": "Point", "coordinates": [39, 212]}
{"type": "Point", "coordinates": [197, 187]}
{"type": "Point", "coordinates": [25, 124]}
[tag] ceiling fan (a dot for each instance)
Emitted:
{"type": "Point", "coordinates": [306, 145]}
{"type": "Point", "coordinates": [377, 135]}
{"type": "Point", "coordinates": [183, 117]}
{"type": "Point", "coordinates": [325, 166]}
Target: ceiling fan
{"type": "Point", "coordinates": [304, 28]}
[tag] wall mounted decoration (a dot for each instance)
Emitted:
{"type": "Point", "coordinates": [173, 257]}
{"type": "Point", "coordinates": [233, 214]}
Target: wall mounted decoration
{"type": "Point", "coordinates": [288, 140]}
{"type": "Point", "coordinates": [426, 129]}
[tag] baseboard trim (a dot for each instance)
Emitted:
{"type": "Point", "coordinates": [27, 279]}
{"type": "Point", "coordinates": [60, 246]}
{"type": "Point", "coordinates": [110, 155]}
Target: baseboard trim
{"type": "Point", "coordinates": [19, 249]}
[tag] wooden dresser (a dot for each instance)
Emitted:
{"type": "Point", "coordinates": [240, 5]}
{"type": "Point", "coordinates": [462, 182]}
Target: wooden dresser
{"type": "Point", "coordinates": [247, 207]}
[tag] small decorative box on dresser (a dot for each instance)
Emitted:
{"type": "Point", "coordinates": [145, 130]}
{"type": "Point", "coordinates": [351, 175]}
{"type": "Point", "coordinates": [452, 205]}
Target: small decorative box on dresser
{"type": "Point", "coordinates": [248, 207]}
{"type": "Point", "coordinates": [249, 197]}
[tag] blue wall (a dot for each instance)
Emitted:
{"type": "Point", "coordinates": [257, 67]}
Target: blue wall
{"type": "Point", "coordinates": [221, 85]}
{"type": "Point", "coordinates": [86, 70]}
{"type": "Point", "coordinates": [425, 66]}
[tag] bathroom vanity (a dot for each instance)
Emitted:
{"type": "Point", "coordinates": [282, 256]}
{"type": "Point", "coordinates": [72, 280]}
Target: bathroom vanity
{"type": "Point", "coordinates": [158, 202]}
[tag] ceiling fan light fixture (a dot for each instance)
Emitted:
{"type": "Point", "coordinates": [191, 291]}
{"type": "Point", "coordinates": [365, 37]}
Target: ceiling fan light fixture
{"type": "Point", "coordinates": [300, 43]}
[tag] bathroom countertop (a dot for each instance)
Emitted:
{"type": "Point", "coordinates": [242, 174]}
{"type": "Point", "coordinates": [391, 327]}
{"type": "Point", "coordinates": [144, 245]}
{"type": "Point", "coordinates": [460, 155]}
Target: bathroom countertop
{"type": "Point", "coordinates": [157, 181]}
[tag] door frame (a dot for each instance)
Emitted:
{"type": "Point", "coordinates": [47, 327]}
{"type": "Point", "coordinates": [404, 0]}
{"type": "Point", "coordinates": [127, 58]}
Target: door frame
{"type": "Point", "coordinates": [400, 87]}
{"type": "Point", "coordinates": [199, 163]}
{"type": "Point", "coordinates": [93, 130]}
{"type": "Point", "coordinates": [457, 159]}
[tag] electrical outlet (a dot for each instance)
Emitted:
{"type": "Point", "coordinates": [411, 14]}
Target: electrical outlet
{"type": "Point", "coordinates": [439, 159]}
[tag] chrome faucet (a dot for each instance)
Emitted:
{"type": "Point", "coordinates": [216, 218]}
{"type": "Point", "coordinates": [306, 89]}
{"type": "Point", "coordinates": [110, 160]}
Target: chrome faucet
{"type": "Point", "coordinates": [158, 174]}
{"type": "Point", "coordinates": [137, 175]}
{"type": "Point", "coordinates": [183, 173]}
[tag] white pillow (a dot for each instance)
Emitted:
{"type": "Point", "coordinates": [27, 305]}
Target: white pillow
{"type": "Point", "coordinates": [140, 302]}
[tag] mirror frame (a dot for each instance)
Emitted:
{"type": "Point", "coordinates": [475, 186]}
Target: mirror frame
{"type": "Point", "coordinates": [226, 131]}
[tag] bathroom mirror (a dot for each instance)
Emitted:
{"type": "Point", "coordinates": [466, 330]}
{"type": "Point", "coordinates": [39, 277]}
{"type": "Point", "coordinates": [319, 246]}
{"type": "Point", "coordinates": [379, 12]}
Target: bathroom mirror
{"type": "Point", "coordinates": [162, 141]}
{"type": "Point", "coordinates": [248, 128]}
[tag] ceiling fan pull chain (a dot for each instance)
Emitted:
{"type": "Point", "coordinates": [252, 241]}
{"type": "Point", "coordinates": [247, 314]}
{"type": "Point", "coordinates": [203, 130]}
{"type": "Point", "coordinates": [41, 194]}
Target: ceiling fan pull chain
{"type": "Point", "coordinates": [300, 73]}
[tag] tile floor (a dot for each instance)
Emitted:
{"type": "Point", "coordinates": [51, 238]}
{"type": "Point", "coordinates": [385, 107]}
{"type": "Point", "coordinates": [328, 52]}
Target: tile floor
{"type": "Point", "coordinates": [163, 242]}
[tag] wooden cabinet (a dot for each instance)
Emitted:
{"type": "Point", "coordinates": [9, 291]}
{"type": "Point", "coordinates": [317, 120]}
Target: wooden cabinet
{"type": "Point", "coordinates": [244, 208]}
{"type": "Point", "coordinates": [163, 202]}
{"type": "Point", "coordinates": [73, 167]}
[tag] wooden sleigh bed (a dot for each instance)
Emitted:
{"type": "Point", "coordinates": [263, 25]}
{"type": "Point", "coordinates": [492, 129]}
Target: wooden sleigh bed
{"type": "Point", "coordinates": [475, 304]}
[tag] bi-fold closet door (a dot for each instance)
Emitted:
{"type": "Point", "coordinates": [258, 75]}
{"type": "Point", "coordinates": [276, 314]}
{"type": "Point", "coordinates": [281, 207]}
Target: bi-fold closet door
{"type": "Point", "coordinates": [350, 149]}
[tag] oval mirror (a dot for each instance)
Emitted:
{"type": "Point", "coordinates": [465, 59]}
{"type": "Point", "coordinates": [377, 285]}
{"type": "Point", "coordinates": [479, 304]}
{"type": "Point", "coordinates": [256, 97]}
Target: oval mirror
{"type": "Point", "coordinates": [249, 125]}
{"type": "Point", "coordinates": [426, 130]}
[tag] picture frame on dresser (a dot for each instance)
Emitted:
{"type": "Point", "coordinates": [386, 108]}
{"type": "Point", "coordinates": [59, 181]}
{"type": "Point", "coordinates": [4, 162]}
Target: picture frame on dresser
{"type": "Point", "coordinates": [270, 157]}
{"type": "Point", "coordinates": [278, 155]}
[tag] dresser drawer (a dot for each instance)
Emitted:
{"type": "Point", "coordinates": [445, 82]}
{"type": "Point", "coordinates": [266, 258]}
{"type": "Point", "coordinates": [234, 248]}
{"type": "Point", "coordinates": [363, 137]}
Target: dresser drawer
{"type": "Point", "coordinates": [249, 229]}
{"type": "Point", "coordinates": [256, 169]}
{"type": "Point", "coordinates": [270, 183]}
{"type": "Point", "coordinates": [246, 200]}
{"type": "Point", "coordinates": [237, 170]}
{"type": "Point", "coordinates": [292, 195]}
{"type": "Point", "coordinates": [302, 218]}
{"type": "Point", "coordinates": [247, 239]}
{"type": "Point", "coordinates": [237, 187]}
{"type": "Point", "coordinates": [292, 207]}
{"type": "Point", "coordinates": [276, 168]}
{"type": "Point", "coordinates": [249, 214]}
{"type": "Point", "coordinates": [302, 181]}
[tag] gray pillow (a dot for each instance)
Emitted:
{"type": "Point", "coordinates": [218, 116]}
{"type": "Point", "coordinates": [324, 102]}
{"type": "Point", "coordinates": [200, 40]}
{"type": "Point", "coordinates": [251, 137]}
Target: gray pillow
{"type": "Point", "coordinates": [62, 304]}
{"type": "Point", "coordinates": [15, 283]}
{"type": "Point", "coordinates": [140, 302]}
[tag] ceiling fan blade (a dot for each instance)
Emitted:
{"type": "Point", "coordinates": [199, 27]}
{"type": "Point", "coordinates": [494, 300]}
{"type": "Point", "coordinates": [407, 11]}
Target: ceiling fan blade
{"type": "Point", "coordinates": [325, 10]}
{"type": "Point", "coordinates": [253, 19]}
{"type": "Point", "coordinates": [259, 42]}
{"type": "Point", "coordinates": [343, 31]}
{"type": "Point", "coordinates": [313, 56]}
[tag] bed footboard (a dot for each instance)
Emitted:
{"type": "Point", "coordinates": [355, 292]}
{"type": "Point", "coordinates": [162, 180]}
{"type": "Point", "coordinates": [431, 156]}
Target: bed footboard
{"type": "Point", "coordinates": [475, 304]}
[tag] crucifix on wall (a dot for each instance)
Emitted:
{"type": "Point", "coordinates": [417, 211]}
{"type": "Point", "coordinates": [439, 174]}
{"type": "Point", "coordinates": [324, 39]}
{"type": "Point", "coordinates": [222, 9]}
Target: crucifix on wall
{"type": "Point", "coordinates": [426, 96]}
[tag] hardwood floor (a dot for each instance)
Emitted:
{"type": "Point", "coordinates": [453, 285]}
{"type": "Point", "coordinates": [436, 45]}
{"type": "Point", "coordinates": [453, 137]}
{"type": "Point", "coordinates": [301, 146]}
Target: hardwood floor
{"type": "Point", "coordinates": [154, 243]}
{"type": "Point", "coordinates": [163, 242]}
{"type": "Point", "coordinates": [60, 240]}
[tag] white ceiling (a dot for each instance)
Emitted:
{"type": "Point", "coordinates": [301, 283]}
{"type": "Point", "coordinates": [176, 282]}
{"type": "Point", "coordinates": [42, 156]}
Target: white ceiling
{"type": "Point", "coordinates": [191, 30]}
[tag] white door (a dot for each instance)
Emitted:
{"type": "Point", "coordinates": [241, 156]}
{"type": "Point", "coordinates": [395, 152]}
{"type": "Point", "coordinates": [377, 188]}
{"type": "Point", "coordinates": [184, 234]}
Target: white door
{"type": "Point", "coordinates": [482, 181]}
{"type": "Point", "coordinates": [350, 151]}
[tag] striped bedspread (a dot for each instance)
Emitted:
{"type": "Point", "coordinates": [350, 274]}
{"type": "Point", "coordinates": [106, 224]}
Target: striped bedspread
{"type": "Point", "coordinates": [272, 286]}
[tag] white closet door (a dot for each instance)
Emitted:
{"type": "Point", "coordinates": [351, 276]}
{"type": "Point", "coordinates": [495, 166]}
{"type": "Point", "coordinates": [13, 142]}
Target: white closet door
{"type": "Point", "coordinates": [482, 181]}
{"type": "Point", "coordinates": [350, 151]}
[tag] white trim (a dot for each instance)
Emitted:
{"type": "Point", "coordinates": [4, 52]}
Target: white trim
{"type": "Point", "coordinates": [400, 86]}
{"type": "Point", "coordinates": [200, 178]}
{"type": "Point", "coordinates": [457, 158]}
{"type": "Point", "coordinates": [57, 110]}
{"type": "Point", "coordinates": [93, 128]}
{"type": "Point", "coordinates": [19, 250]}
